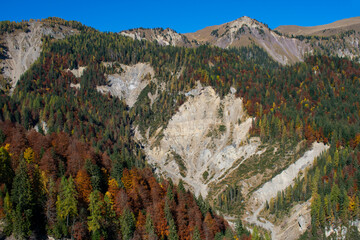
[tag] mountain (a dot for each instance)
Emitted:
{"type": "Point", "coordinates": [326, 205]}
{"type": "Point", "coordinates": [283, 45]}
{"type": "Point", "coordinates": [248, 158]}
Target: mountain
{"type": "Point", "coordinates": [285, 44]}
{"type": "Point", "coordinates": [106, 136]}
{"type": "Point", "coordinates": [341, 26]}
{"type": "Point", "coordinates": [246, 31]}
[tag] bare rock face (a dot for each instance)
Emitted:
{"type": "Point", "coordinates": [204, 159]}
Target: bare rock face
{"type": "Point", "coordinates": [164, 37]}
{"type": "Point", "coordinates": [23, 48]}
{"type": "Point", "coordinates": [77, 72]}
{"type": "Point", "coordinates": [128, 84]}
{"type": "Point", "coordinates": [203, 140]}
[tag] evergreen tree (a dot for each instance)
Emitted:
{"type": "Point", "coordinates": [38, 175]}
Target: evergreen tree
{"type": "Point", "coordinates": [239, 229]}
{"type": "Point", "coordinates": [6, 171]}
{"type": "Point", "coordinates": [149, 226]}
{"type": "Point", "coordinates": [8, 211]}
{"type": "Point", "coordinates": [127, 223]}
{"type": "Point", "coordinates": [23, 202]}
{"type": "Point", "coordinates": [170, 220]}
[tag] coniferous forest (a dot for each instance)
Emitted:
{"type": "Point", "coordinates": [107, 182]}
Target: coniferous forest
{"type": "Point", "coordinates": [84, 176]}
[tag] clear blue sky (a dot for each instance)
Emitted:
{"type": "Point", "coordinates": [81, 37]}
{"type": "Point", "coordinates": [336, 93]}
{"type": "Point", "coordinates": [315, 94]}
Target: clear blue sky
{"type": "Point", "coordinates": [182, 16]}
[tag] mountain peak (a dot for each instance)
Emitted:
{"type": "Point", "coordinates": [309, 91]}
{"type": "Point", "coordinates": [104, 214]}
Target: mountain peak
{"type": "Point", "coordinates": [245, 20]}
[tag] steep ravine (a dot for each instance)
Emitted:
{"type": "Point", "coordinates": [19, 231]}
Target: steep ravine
{"type": "Point", "coordinates": [207, 139]}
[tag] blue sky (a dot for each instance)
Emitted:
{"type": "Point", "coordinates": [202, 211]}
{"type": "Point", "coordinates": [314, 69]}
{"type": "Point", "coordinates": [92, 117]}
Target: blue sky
{"type": "Point", "coordinates": [182, 16]}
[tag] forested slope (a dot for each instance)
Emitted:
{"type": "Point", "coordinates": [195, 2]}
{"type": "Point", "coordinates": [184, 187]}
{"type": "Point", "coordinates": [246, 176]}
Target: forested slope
{"type": "Point", "coordinates": [89, 135]}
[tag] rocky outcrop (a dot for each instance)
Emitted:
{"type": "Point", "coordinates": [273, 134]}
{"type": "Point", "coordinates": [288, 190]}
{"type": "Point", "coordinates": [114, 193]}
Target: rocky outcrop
{"type": "Point", "coordinates": [164, 37]}
{"type": "Point", "coordinates": [128, 84]}
{"type": "Point", "coordinates": [77, 72]}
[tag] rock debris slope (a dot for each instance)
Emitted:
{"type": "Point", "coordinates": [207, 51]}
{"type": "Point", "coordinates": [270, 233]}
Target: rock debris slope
{"type": "Point", "coordinates": [286, 177]}
{"type": "Point", "coordinates": [279, 183]}
{"type": "Point", "coordinates": [128, 84]}
{"type": "Point", "coordinates": [23, 48]}
{"type": "Point", "coordinates": [203, 140]}
{"type": "Point", "coordinates": [164, 37]}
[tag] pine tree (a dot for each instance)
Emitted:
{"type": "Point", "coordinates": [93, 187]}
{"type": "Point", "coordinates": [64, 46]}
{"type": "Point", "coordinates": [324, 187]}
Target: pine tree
{"type": "Point", "coordinates": [171, 223]}
{"type": "Point", "coordinates": [239, 229]}
{"type": "Point", "coordinates": [50, 206]}
{"type": "Point", "coordinates": [22, 199]}
{"type": "Point", "coordinates": [127, 223]}
{"type": "Point", "coordinates": [181, 187]}
{"type": "Point", "coordinates": [149, 226]}
{"type": "Point", "coordinates": [6, 171]}
{"type": "Point", "coordinates": [169, 193]}
{"type": "Point", "coordinates": [172, 230]}
{"type": "Point", "coordinates": [8, 211]}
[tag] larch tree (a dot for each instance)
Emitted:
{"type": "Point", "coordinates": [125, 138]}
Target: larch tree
{"type": "Point", "coordinates": [66, 204]}
{"type": "Point", "coordinates": [95, 219]}
{"type": "Point", "coordinates": [83, 185]}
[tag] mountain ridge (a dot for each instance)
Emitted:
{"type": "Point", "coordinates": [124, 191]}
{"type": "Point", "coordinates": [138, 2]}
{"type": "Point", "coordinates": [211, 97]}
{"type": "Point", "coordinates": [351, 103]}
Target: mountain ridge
{"type": "Point", "coordinates": [283, 47]}
{"type": "Point", "coordinates": [329, 29]}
